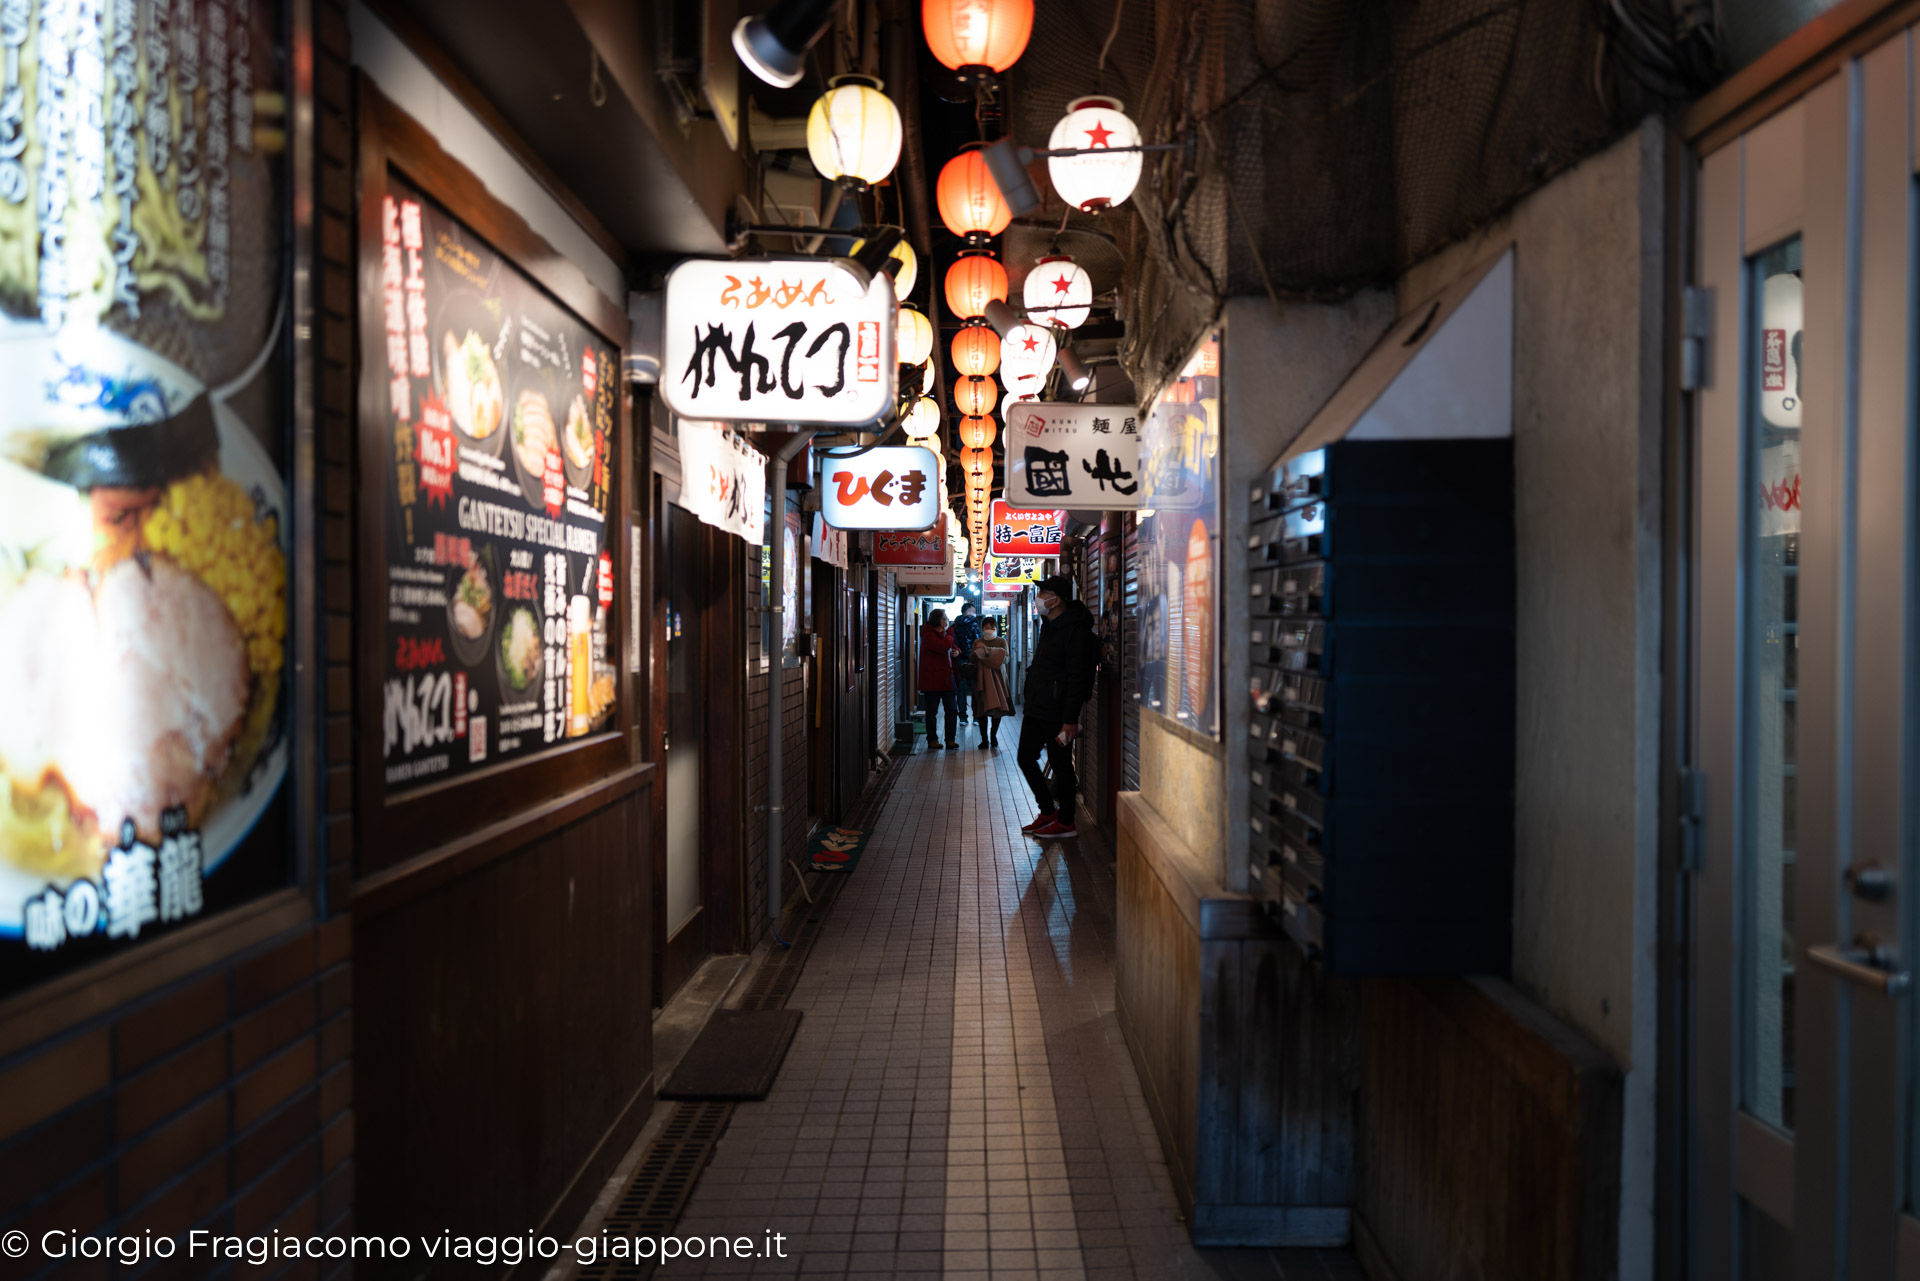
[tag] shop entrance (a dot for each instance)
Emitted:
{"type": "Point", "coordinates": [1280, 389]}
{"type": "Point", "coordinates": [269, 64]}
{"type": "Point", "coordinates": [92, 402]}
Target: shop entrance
{"type": "Point", "coordinates": [1803, 716]}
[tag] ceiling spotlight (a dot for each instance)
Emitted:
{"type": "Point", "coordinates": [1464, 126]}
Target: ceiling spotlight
{"type": "Point", "coordinates": [774, 46]}
{"type": "Point", "coordinates": [1078, 376]}
{"type": "Point", "coordinates": [875, 253]}
{"type": "Point", "coordinates": [1000, 316]}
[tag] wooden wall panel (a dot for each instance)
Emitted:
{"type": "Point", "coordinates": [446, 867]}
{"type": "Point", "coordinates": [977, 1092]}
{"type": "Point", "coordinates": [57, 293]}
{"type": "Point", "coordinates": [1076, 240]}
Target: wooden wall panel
{"type": "Point", "coordinates": [1157, 992]}
{"type": "Point", "coordinates": [505, 1032]}
{"type": "Point", "coordinates": [1490, 1138]}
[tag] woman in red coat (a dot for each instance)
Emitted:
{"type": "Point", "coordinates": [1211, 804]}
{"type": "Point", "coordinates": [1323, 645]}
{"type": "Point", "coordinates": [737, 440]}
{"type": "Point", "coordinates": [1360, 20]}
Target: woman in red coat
{"type": "Point", "coordinates": [937, 648]}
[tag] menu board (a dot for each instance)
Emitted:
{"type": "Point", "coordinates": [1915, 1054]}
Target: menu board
{"type": "Point", "coordinates": [145, 531]}
{"type": "Point", "coordinates": [500, 406]}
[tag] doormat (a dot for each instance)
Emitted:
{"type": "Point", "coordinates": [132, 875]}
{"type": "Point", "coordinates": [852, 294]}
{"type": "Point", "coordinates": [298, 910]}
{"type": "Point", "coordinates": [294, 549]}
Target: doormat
{"type": "Point", "coordinates": [835, 849]}
{"type": "Point", "coordinates": [736, 1056]}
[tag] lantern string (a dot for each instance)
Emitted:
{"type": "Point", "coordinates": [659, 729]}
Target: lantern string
{"type": "Point", "coordinates": [1119, 7]}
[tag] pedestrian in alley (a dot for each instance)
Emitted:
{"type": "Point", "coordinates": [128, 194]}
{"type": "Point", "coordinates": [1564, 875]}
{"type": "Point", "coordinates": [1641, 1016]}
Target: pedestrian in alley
{"type": "Point", "coordinates": [936, 678]}
{"type": "Point", "coordinates": [992, 697]}
{"type": "Point", "coordinates": [1059, 682]}
{"type": "Point", "coordinates": [966, 676]}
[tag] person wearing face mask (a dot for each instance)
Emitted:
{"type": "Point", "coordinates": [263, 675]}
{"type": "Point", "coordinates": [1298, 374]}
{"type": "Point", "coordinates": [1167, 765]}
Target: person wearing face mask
{"type": "Point", "coordinates": [990, 653]}
{"type": "Point", "coordinates": [935, 681]}
{"type": "Point", "coordinates": [1059, 681]}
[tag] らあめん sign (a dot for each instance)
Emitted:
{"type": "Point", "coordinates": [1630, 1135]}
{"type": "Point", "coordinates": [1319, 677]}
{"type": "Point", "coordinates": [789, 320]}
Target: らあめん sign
{"type": "Point", "coordinates": [894, 487]}
{"type": "Point", "coordinates": [778, 340]}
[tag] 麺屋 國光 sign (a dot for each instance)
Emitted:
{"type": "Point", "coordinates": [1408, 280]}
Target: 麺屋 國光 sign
{"type": "Point", "coordinates": [778, 340]}
{"type": "Point", "coordinates": [895, 487]}
{"type": "Point", "coordinates": [1085, 457]}
{"type": "Point", "coordinates": [1025, 531]}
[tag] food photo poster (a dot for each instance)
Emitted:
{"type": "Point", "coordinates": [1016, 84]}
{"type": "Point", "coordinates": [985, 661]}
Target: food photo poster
{"type": "Point", "coordinates": [500, 406]}
{"type": "Point", "coordinates": [144, 521]}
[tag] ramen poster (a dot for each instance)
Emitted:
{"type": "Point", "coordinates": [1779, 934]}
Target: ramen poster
{"type": "Point", "coordinates": [144, 522]}
{"type": "Point", "coordinates": [499, 410]}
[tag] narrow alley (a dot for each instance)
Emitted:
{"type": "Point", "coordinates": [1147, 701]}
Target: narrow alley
{"type": "Point", "coordinates": [958, 1100]}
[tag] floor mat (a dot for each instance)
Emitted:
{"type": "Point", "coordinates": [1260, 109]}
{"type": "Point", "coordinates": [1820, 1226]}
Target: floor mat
{"type": "Point", "coordinates": [835, 849]}
{"type": "Point", "coordinates": [736, 1058]}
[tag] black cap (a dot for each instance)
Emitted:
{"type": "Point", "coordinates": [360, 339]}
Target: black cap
{"type": "Point", "coordinates": [1059, 584]}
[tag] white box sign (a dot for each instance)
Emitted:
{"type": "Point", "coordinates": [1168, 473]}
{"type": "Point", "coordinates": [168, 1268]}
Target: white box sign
{"type": "Point", "coordinates": [893, 487]}
{"type": "Point", "coordinates": [1084, 457]}
{"type": "Point", "coordinates": [778, 340]}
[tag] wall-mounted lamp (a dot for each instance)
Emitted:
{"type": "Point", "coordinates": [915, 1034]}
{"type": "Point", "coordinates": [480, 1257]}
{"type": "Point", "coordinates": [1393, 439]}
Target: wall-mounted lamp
{"type": "Point", "coordinates": [774, 46]}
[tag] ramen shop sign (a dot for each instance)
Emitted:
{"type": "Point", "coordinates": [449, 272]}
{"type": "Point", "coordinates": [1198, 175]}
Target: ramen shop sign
{"type": "Point", "coordinates": [894, 487]}
{"type": "Point", "coordinates": [778, 340]}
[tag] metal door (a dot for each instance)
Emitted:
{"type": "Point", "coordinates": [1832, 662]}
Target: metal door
{"type": "Point", "coordinates": [1802, 1055]}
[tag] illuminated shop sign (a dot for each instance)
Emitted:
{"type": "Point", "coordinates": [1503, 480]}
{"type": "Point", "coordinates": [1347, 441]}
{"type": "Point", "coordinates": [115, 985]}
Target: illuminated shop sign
{"type": "Point", "coordinates": [723, 480]}
{"type": "Point", "coordinates": [145, 529]}
{"type": "Point", "coordinates": [1083, 456]}
{"type": "Point", "coordinates": [893, 487]}
{"type": "Point", "coordinates": [1014, 572]}
{"type": "Point", "coordinates": [778, 340]}
{"type": "Point", "coordinates": [913, 547]}
{"type": "Point", "coordinates": [1023, 531]}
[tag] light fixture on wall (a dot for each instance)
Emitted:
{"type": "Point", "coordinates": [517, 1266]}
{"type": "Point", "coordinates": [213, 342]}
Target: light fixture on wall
{"type": "Point", "coordinates": [1059, 291]}
{"type": "Point", "coordinates": [1078, 376]}
{"type": "Point", "coordinates": [774, 46]}
{"type": "Point", "coordinates": [854, 133]}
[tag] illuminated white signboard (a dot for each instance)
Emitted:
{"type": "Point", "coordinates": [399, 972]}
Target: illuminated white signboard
{"type": "Point", "coordinates": [893, 487]}
{"type": "Point", "coordinates": [1083, 457]}
{"type": "Point", "coordinates": [778, 340]}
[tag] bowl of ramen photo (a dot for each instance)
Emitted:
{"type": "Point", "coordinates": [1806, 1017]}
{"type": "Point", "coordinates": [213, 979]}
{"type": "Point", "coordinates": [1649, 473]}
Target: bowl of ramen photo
{"type": "Point", "coordinates": [576, 440]}
{"type": "Point", "coordinates": [466, 369]}
{"type": "Point", "coordinates": [535, 436]}
{"type": "Point", "coordinates": [473, 604]}
{"type": "Point", "coordinates": [521, 659]}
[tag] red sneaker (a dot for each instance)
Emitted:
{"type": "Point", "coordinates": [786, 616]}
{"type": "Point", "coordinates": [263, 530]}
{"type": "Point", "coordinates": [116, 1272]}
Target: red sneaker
{"type": "Point", "coordinates": [1055, 830]}
{"type": "Point", "coordinates": [1044, 820]}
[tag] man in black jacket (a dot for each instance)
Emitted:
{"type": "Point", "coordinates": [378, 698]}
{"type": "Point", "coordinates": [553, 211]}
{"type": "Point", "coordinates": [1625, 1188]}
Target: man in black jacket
{"type": "Point", "coordinates": [1059, 681]}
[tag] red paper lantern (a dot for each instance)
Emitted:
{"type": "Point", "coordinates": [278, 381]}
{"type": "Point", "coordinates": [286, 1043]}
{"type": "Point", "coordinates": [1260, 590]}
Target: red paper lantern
{"type": "Point", "coordinates": [977, 33]}
{"type": "Point", "coordinates": [976, 351]}
{"type": "Point", "coordinates": [969, 199]}
{"type": "Point", "coordinates": [975, 396]}
{"type": "Point", "coordinates": [978, 464]}
{"type": "Point", "coordinates": [972, 283]}
{"type": "Point", "coordinates": [977, 433]}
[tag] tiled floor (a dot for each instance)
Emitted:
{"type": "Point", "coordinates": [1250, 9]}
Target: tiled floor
{"type": "Point", "coordinates": [958, 1100]}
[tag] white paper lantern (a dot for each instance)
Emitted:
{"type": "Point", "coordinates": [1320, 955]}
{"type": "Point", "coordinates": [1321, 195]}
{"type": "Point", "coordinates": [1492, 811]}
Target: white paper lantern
{"type": "Point", "coordinates": [1026, 353]}
{"type": "Point", "coordinates": [921, 422]}
{"type": "Point", "coordinates": [1058, 291]}
{"type": "Point", "coordinates": [1094, 182]}
{"type": "Point", "coordinates": [913, 342]}
{"type": "Point", "coordinates": [853, 132]}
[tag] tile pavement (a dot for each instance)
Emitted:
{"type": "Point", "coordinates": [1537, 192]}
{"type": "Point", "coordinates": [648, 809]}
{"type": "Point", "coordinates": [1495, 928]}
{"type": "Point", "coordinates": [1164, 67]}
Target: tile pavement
{"type": "Point", "coordinates": [958, 1101]}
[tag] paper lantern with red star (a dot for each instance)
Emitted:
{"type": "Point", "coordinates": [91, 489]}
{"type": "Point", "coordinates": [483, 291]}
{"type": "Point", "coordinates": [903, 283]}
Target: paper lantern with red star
{"type": "Point", "coordinates": [1058, 291]}
{"type": "Point", "coordinates": [1094, 182]}
{"type": "Point", "coordinates": [1027, 352]}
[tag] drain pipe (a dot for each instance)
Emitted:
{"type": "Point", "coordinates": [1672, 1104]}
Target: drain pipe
{"type": "Point", "coordinates": [777, 679]}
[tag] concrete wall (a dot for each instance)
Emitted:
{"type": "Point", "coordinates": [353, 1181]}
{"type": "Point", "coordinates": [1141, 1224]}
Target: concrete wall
{"type": "Point", "coordinates": [1588, 345]}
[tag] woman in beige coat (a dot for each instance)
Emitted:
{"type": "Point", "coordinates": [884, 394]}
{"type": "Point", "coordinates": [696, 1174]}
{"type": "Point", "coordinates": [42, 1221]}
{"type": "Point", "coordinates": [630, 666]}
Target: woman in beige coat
{"type": "Point", "coordinates": [990, 651]}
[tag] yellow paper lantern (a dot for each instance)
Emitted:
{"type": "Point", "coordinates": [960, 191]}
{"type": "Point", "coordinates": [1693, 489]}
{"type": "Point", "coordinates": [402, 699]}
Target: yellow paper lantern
{"type": "Point", "coordinates": [914, 338]}
{"type": "Point", "coordinates": [854, 133]}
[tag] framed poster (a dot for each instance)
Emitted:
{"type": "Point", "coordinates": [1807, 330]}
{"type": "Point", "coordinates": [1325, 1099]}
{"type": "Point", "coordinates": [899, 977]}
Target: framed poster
{"type": "Point", "coordinates": [1180, 546]}
{"type": "Point", "coordinates": [492, 450]}
{"type": "Point", "coordinates": [146, 528]}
